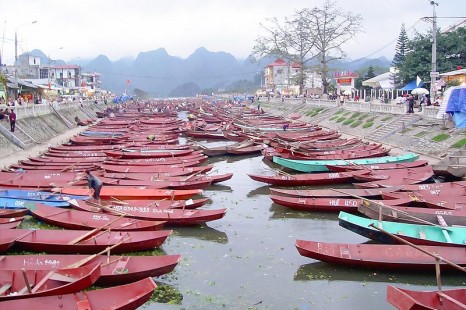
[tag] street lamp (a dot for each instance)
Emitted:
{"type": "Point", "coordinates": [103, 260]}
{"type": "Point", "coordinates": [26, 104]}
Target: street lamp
{"type": "Point", "coordinates": [16, 53]}
{"type": "Point", "coordinates": [434, 73]}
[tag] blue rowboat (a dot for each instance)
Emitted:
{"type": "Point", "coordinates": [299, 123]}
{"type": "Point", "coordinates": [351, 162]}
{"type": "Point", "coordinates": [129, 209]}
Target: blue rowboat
{"type": "Point", "coordinates": [39, 196]}
{"type": "Point", "coordinates": [417, 234]}
{"type": "Point", "coordinates": [16, 203]}
{"type": "Point", "coordinates": [321, 165]}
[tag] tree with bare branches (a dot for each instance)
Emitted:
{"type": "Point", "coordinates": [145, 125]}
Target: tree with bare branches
{"type": "Point", "coordinates": [310, 34]}
{"type": "Point", "coordinates": [289, 39]}
{"type": "Point", "coordinates": [331, 28]}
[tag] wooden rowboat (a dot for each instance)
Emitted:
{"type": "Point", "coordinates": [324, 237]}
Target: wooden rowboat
{"type": "Point", "coordinates": [328, 204]}
{"type": "Point", "coordinates": [74, 219]}
{"type": "Point", "coordinates": [321, 165]}
{"type": "Point", "coordinates": [178, 169]}
{"type": "Point", "coordinates": [380, 256]}
{"type": "Point", "coordinates": [347, 192]}
{"type": "Point", "coordinates": [412, 214]}
{"type": "Point", "coordinates": [170, 216]}
{"type": "Point", "coordinates": [83, 241]}
{"type": "Point", "coordinates": [46, 282]}
{"type": "Point", "coordinates": [308, 178]}
{"type": "Point", "coordinates": [124, 297]}
{"type": "Point", "coordinates": [128, 193]}
{"type": "Point", "coordinates": [403, 299]}
{"type": "Point", "coordinates": [413, 164]}
{"type": "Point", "coordinates": [415, 233]}
{"type": "Point", "coordinates": [114, 270]}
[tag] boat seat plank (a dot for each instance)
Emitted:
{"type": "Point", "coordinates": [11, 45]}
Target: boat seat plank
{"type": "Point", "coordinates": [422, 234]}
{"type": "Point", "coordinates": [446, 235]}
{"type": "Point", "coordinates": [5, 288]}
{"type": "Point", "coordinates": [452, 300]}
{"type": "Point", "coordinates": [441, 220]}
{"type": "Point", "coordinates": [24, 289]}
{"type": "Point", "coordinates": [62, 278]}
{"type": "Point", "coordinates": [121, 266]}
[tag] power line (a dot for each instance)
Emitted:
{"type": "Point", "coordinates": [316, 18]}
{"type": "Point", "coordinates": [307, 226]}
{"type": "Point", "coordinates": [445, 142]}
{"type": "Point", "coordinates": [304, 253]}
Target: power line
{"type": "Point", "coordinates": [391, 42]}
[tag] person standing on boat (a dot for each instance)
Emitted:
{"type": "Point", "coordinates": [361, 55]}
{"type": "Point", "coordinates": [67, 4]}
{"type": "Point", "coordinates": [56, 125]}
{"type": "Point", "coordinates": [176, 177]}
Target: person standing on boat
{"type": "Point", "coordinates": [94, 183]}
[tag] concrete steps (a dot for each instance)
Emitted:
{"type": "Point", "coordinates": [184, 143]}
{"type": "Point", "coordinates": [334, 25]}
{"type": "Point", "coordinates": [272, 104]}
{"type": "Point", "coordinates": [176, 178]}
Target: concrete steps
{"type": "Point", "coordinates": [393, 126]}
{"type": "Point", "coordinates": [19, 137]}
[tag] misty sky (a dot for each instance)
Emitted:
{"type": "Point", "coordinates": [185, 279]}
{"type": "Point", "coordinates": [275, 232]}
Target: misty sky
{"type": "Point", "coordinates": [120, 28]}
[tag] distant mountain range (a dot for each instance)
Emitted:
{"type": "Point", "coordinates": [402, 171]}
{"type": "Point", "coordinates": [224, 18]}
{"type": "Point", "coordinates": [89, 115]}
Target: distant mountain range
{"type": "Point", "coordinates": [159, 74]}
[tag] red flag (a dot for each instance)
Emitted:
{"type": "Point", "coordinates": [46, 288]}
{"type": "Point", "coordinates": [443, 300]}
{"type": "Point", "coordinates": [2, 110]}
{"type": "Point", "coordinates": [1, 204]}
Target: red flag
{"type": "Point", "coordinates": [128, 82]}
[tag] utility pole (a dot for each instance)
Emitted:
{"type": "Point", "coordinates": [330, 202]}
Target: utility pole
{"type": "Point", "coordinates": [434, 73]}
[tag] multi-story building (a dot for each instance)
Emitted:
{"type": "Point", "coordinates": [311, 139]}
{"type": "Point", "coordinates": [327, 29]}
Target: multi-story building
{"type": "Point", "coordinates": [280, 77]}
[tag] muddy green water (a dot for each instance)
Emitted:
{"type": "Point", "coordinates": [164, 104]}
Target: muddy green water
{"type": "Point", "coordinates": [248, 260]}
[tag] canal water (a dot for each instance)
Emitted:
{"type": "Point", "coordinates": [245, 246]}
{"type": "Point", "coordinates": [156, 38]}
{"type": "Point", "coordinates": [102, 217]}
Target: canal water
{"type": "Point", "coordinates": [248, 260]}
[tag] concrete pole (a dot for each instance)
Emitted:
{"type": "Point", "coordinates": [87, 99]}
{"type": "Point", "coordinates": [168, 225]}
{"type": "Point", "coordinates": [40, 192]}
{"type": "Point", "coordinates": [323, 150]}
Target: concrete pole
{"type": "Point", "coordinates": [433, 79]}
{"type": "Point", "coordinates": [16, 64]}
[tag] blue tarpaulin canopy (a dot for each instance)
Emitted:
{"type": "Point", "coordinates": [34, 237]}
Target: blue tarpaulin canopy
{"type": "Point", "coordinates": [412, 85]}
{"type": "Point", "coordinates": [456, 106]}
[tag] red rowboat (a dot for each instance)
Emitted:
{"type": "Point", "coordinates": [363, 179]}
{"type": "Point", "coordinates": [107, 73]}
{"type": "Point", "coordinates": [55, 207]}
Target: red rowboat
{"type": "Point", "coordinates": [174, 169]}
{"type": "Point", "coordinates": [380, 256]}
{"type": "Point", "coordinates": [126, 205]}
{"type": "Point", "coordinates": [127, 193]}
{"type": "Point", "coordinates": [150, 176]}
{"type": "Point", "coordinates": [403, 299]}
{"type": "Point", "coordinates": [171, 216]}
{"type": "Point", "coordinates": [307, 178]}
{"type": "Point", "coordinates": [83, 241]}
{"type": "Point", "coordinates": [191, 184]}
{"type": "Point", "coordinates": [148, 154]}
{"type": "Point", "coordinates": [114, 270]}
{"type": "Point", "coordinates": [396, 177]}
{"type": "Point", "coordinates": [13, 212]}
{"type": "Point", "coordinates": [74, 219]}
{"type": "Point", "coordinates": [425, 199]}
{"type": "Point", "coordinates": [328, 204]}
{"type": "Point", "coordinates": [412, 214]}
{"type": "Point", "coordinates": [46, 282]}
{"type": "Point", "coordinates": [413, 164]}
{"type": "Point", "coordinates": [346, 192]}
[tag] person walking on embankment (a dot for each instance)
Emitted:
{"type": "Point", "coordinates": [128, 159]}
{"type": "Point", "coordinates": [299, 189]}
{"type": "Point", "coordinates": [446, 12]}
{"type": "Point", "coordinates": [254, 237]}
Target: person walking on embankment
{"type": "Point", "coordinates": [12, 118]}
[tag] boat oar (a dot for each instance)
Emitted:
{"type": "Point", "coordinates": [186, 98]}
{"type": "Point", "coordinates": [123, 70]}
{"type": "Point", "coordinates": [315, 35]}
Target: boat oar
{"type": "Point", "coordinates": [394, 209]}
{"type": "Point", "coordinates": [91, 257]}
{"type": "Point", "coordinates": [95, 230]}
{"type": "Point", "coordinates": [191, 176]}
{"type": "Point", "coordinates": [437, 257]}
{"type": "Point", "coordinates": [434, 255]}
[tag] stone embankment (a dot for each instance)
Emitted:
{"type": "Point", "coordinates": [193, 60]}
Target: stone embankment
{"type": "Point", "coordinates": [35, 133]}
{"type": "Point", "coordinates": [431, 138]}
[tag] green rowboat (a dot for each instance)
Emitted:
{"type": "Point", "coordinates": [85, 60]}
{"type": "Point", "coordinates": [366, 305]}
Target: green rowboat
{"type": "Point", "coordinates": [321, 165]}
{"type": "Point", "coordinates": [417, 234]}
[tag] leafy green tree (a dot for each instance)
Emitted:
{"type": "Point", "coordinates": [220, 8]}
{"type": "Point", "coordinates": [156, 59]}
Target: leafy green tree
{"type": "Point", "coordinates": [451, 53]}
{"type": "Point", "coordinates": [401, 50]}
{"type": "Point", "coordinates": [370, 73]}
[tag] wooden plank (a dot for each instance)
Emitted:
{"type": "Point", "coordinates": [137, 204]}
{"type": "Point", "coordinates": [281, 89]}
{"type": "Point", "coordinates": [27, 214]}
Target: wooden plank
{"type": "Point", "coordinates": [446, 235]}
{"type": "Point", "coordinates": [441, 220]}
{"type": "Point", "coordinates": [422, 234]}
{"type": "Point", "coordinates": [452, 300]}
{"type": "Point", "coordinates": [5, 288]}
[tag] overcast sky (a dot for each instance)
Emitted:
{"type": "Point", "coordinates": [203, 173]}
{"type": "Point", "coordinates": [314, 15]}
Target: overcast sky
{"type": "Point", "coordinates": [84, 29]}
